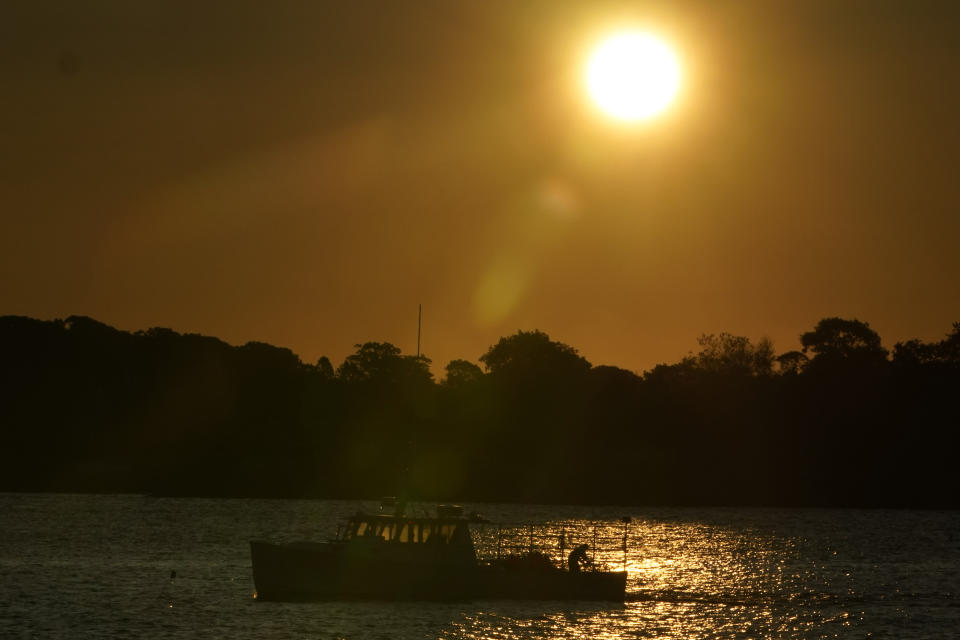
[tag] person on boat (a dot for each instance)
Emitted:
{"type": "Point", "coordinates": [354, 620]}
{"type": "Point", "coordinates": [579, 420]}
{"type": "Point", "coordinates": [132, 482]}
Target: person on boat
{"type": "Point", "coordinates": [578, 559]}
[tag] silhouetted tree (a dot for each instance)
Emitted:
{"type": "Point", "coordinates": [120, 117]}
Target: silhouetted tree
{"type": "Point", "coordinates": [533, 353]}
{"type": "Point", "coordinates": [791, 362]}
{"type": "Point", "coordinates": [914, 353]}
{"type": "Point", "coordinates": [734, 355]}
{"type": "Point", "coordinates": [944, 352]}
{"type": "Point", "coordinates": [324, 369]}
{"type": "Point", "coordinates": [381, 362]}
{"type": "Point", "coordinates": [462, 372]}
{"type": "Point", "coordinates": [389, 404]}
{"type": "Point", "coordinates": [949, 348]}
{"type": "Point", "coordinates": [836, 340]}
{"type": "Point", "coordinates": [85, 407]}
{"type": "Point", "coordinates": [614, 379]}
{"type": "Point", "coordinates": [666, 374]}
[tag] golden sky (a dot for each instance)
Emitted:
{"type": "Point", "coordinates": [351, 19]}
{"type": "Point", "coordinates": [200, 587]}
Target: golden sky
{"type": "Point", "coordinates": [306, 174]}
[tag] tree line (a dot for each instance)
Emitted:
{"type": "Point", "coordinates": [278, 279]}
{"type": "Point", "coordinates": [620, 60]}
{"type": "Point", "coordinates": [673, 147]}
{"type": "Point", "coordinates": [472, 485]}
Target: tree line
{"type": "Point", "coordinates": [841, 421]}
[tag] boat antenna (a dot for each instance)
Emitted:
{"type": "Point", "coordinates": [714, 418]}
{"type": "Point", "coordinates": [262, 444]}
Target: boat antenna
{"type": "Point", "coordinates": [419, 316]}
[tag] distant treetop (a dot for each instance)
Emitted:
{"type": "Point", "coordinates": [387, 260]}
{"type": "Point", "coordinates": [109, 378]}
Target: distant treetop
{"type": "Point", "coordinates": [534, 356]}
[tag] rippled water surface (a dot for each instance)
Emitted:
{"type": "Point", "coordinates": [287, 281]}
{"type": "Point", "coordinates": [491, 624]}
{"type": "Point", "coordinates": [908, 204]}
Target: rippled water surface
{"type": "Point", "coordinates": [103, 567]}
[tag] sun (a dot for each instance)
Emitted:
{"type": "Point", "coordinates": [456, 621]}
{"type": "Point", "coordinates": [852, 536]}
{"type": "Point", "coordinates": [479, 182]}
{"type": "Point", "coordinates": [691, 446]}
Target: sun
{"type": "Point", "coordinates": [632, 76]}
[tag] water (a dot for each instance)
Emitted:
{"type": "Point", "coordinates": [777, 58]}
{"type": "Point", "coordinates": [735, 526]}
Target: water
{"type": "Point", "coordinates": [82, 566]}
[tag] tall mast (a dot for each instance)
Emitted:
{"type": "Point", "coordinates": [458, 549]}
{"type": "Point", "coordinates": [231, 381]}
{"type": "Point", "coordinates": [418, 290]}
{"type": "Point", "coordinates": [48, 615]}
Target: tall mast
{"type": "Point", "coordinates": [419, 315]}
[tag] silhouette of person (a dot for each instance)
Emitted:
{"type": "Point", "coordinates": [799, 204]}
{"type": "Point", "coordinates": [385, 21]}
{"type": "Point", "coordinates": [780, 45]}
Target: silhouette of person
{"type": "Point", "coordinates": [578, 558]}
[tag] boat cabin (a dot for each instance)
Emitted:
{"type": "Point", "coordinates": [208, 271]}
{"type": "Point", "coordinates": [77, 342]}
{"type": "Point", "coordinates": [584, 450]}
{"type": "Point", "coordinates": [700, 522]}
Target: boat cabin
{"type": "Point", "coordinates": [446, 531]}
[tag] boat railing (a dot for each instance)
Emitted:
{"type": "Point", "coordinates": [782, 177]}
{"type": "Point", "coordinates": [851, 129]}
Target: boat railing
{"type": "Point", "coordinates": [606, 542]}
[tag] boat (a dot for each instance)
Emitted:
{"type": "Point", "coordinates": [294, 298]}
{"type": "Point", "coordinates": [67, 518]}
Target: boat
{"type": "Point", "coordinates": [393, 556]}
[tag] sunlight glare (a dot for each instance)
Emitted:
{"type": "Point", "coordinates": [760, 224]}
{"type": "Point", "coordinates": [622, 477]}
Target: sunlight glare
{"type": "Point", "coordinates": [633, 76]}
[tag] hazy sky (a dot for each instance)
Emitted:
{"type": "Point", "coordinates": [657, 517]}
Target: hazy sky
{"type": "Point", "coordinates": [305, 174]}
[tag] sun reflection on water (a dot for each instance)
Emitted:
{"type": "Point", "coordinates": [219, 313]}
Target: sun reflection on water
{"type": "Point", "coordinates": [685, 579]}
{"type": "Point", "coordinates": [694, 573]}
